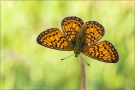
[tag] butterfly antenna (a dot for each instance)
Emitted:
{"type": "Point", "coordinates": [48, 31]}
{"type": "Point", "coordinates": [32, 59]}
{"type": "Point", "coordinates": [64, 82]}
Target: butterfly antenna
{"type": "Point", "coordinates": [84, 61]}
{"type": "Point", "coordinates": [67, 57]}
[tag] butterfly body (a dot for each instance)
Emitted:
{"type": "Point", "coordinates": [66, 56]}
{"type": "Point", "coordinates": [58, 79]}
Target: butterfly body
{"type": "Point", "coordinates": [79, 44]}
{"type": "Point", "coordinates": [79, 37]}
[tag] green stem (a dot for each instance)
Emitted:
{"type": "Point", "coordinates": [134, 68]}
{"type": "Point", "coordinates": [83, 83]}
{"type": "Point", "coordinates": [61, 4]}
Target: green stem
{"type": "Point", "coordinates": [83, 74]}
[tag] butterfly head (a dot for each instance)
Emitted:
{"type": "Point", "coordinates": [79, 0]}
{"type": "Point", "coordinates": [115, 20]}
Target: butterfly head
{"type": "Point", "coordinates": [76, 54]}
{"type": "Point", "coordinates": [76, 51]}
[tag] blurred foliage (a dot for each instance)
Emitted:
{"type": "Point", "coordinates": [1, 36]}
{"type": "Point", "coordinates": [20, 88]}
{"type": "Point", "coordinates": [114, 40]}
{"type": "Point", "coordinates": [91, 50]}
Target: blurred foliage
{"type": "Point", "coordinates": [27, 65]}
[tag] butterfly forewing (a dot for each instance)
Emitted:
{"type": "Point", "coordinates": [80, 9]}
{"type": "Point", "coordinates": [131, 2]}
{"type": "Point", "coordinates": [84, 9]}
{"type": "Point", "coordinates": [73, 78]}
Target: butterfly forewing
{"type": "Point", "coordinates": [53, 38]}
{"type": "Point", "coordinates": [102, 51]}
{"type": "Point", "coordinates": [94, 32]}
{"type": "Point", "coordinates": [71, 27]}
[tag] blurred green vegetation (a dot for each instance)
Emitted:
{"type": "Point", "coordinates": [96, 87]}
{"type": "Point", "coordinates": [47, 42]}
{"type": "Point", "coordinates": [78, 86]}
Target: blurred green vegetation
{"type": "Point", "coordinates": [27, 65]}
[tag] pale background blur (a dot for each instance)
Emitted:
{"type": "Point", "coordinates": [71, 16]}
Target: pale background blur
{"type": "Point", "coordinates": [28, 65]}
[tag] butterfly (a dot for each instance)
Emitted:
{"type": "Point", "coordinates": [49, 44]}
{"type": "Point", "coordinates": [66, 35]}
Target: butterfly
{"type": "Point", "coordinates": [80, 37]}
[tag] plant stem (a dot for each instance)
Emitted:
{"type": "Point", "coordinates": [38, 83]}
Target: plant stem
{"type": "Point", "coordinates": [83, 73]}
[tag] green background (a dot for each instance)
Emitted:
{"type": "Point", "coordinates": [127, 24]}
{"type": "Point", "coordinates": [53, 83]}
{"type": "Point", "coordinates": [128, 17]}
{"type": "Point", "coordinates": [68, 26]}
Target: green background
{"type": "Point", "coordinates": [28, 65]}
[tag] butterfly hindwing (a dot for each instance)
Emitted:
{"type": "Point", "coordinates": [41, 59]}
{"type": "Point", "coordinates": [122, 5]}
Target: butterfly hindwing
{"type": "Point", "coordinates": [102, 51]}
{"type": "Point", "coordinates": [94, 32]}
{"type": "Point", "coordinates": [53, 38]}
{"type": "Point", "coordinates": [71, 27]}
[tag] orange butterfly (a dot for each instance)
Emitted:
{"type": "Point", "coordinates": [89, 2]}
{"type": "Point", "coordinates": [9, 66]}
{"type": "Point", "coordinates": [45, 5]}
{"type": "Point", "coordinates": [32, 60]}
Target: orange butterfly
{"type": "Point", "coordinates": [79, 37]}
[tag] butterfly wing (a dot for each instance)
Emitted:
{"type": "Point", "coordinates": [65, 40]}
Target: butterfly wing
{"type": "Point", "coordinates": [93, 33]}
{"type": "Point", "coordinates": [54, 39]}
{"type": "Point", "coordinates": [71, 27]}
{"type": "Point", "coordinates": [102, 51]}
